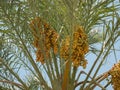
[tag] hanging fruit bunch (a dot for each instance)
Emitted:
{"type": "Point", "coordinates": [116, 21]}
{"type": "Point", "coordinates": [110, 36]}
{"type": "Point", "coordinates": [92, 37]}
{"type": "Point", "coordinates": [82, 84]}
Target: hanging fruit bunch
{"type": "Point", "coordinates": [45, 39]}
{"type": "Point", "coordinates": [78, 47]}
{"type": "Point", "coordinates": [115, 73]}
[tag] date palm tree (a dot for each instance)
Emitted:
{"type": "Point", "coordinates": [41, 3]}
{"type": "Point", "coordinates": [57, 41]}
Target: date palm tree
{"type": "Point", "coordinates": [50, 44]}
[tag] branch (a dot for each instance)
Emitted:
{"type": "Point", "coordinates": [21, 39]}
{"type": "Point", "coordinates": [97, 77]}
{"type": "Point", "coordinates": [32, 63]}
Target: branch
{"type": "Point", "coordinates": [12, 83]}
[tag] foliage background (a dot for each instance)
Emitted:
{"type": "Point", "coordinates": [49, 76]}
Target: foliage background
{"type": "Point", "coordinates": [99, 18]}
